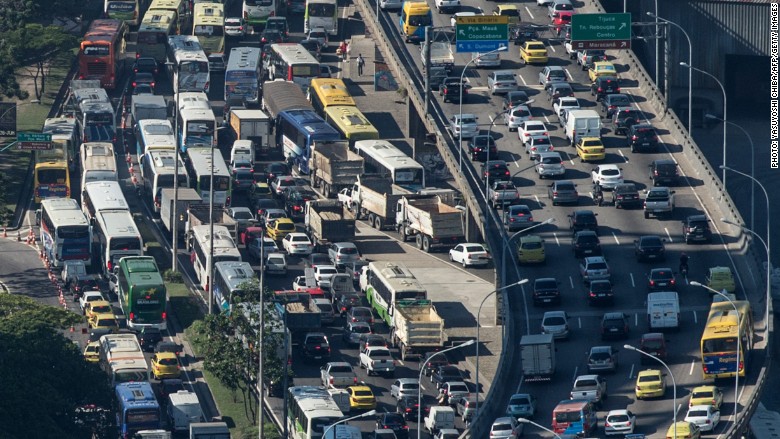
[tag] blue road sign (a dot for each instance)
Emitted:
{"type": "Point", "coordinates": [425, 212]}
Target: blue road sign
{"type": "Point", "coordinates": [479, 46]}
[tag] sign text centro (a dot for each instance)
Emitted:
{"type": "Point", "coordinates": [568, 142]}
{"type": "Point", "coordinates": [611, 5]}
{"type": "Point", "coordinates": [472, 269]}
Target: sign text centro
{"type": "Point", "coordinates": [600, 27]}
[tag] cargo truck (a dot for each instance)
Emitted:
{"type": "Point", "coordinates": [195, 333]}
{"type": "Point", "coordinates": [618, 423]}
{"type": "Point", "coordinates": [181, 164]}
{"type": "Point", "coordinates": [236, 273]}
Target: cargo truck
{"type": "Point", "coordinates": [281, 96]}
{"type": "Point", "coordinates": [417, 328]}
{"type": "Point", "coordinates": [441, 55]}
{"type": "Point", "coordinates": [252, 125]}
{"type": "Point", "coordinates": [198, 214]}
{"type": "Point", "coordinates": [334, 167]}
{"type": "Point", "coordinates": [186, 196]}
{"type": "Point", "coordinates": [431, 221]}
{"type": "Point", "coordinates": [375, 199]}
{"type": "Point", "coordinates": [582, 123]}
{"type": "Point", "coordinates": [148, 107]}
{"type": "Point", "coordinates": [297, 312]}
{"type": "Point", "coordinates": [537, 355]}
{"type": "Point", "coordinates": [328, 221]}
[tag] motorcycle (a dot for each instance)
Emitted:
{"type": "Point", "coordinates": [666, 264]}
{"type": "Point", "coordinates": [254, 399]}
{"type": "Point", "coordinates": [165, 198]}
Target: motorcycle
{"type": "Point", "coordinates": [684, 269]}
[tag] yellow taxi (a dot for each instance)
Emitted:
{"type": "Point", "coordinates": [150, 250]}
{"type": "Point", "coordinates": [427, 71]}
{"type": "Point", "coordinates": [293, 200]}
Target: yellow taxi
{"type": "Point", "coordinates": [706, 395]}
{"type": "Point", "coordinates": [92, 352]}
{"type": "Point", "coordinates": [720, 278]}
{"type": "Point", "coordinates": [590, 149]}
{"type": "Point", "coordinates": [280, 228]}
{"type": "Point", "coordinates": [97, 307]}
{"type": "Point", "coordinates": [103, 322]}
{"type": "Point", "coordinates": [685, 430]}
{"type": "Point", "coordinates": [602, 68]}
{"type": "Point", "coordinates": [509, 11]}
{"type": "Point", "coordinates": [530, 250]}
{"type": "Point", "coordinates": [650, 383]}
{"type": "Point", "coordinates": [533, 52]}
{"type": "Point", "coordinates": [361, 398]}
{"type": "Point", "coordinates": [165, 365]}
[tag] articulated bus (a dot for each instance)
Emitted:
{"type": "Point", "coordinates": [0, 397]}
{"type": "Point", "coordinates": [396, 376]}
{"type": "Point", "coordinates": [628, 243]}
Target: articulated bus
{"type": "Point", "coordinates": [297, 130]}
{"type": "Point", "coordinates": [154, 135]}
{"type": "Point", "coordinates": [158, 169]}
{"type": "Point", "coordinates": [381, 157]}
{"type": "Point", "coordinates": [389, 282]}
{"type": "Point", "coordinates": [208, 24]}
{"type": "Point", "coordinates": [54, 166]}
{"type": "Point", "coordinates": [292, 62]}
{"type": "Point", "coordinates": [321, 13]}
{"type": "Point", "coordinates": [311, 409]}
{"type": "Point", "coordinates": [142, 293]}
{"type": "Point", "coordinates": [256, 12]}
{"type": "Point", "coordinates": [351, 123]}
{"type": "Point", "coordinates": [65, 233]}
{"type": "Point", "coordinates": [243, 76]}
{"type": "Point", "coordinates": [327, 92]}
{"type": "Point", "coordinates": [101, 196]}
{"type": "Point", "coordinates": [119, 237]}
{"type": "Point", "coordinates": [177, 6]}
{"type": "Point", "coordinates": [153, 34]}
{"type": "Point", "coordinates": [102, 52]}
{"type": "Point", "coordinates": [97, 163]}
{"type": "Point", "coordinates": [229, 277]}
{"type": "Point", "coordinates": [225, 250]}
{"type": "Point", "coordinates": [138, 409]}
{"type": "Point", "coordinates": [128, 11]}
{"type": "Point", "coordinates": [197, 128]}
{"type": "Point", "coordinates": [727, 333]}
{"type": "Point", "coordinates": [189, 68]}
{"type": "Point", "coordinates": [199, 167]}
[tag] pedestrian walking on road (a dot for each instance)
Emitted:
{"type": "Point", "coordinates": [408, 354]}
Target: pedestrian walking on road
{"type": "Point", "coordinates": [360, 63]}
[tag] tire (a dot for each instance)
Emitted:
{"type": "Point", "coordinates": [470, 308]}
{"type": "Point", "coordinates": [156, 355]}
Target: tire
{"type": "Point", "coordinates": [370, 219]}
{"type": "Point", "coordinates": [378, 222]}
{"type": "Point", "coordinates": [426, 244]}
{"type": "Point", "coordinates": [419, 241]}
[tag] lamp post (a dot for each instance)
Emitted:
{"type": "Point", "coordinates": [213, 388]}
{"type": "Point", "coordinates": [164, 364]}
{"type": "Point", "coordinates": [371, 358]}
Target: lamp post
{"type": "Point", "coordinates": [725, 114]}
{"type": "Point", "coordinates": [341, 421]}
{"type": "Point", "coordinates": [261, 344]}
{"type": "Point", "coordinates": [528, 421]}
{"type": "Point", "coordinates": [739, 344]}
{"type": "Point", "coordinates": [419, 380]}
{"type": "Point", "coordinates": [752, 166]}
{"type": "Point", "coordinates": [460, 102]}
{"type": "Point", "coordinates": [211, 227]}
{"type": "Point", "coordinates": [175, 231]}
{"type": "Point", "coordinates": [487, 158]}
{"type": "Point", "coordinates": [674, 383]}
{"type": "Point", "coordinates": [479, 310]}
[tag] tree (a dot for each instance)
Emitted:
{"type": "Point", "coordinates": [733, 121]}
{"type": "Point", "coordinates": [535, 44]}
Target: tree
{"type": "Point", "coordinates": [35, 44]}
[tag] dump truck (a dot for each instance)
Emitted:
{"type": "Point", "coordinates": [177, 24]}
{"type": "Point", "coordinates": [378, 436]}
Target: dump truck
{"type": "Point", "coordinates": [333, 167]}
{"type": "Point", "coordinates": [328, 221]}
{"type": "Point", "coordinates": [375, 199]}
{"type": "Point", "coordinates": [198, 214]}
{"type": "Point", "coordinates": [297, 312]}
{"type": "Point", "coordinates": [417, 328]}
{"type": "Point", "coordinates": [431, 221]}
{"type": "Point", "coordinates": [280, 95]}
{"type": "Point", "coordinates": [186, 196]}
{"type": "Point", "coordinates": [537, 355]}
{"type": "Point", "coordinates": [253, 125]}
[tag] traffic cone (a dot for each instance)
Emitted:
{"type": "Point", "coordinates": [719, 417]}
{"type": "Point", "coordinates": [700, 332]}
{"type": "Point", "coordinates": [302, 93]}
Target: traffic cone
{"type": "Point", "coordinates": [72, 329]}
{"type": "Point", "coordinates": [5, 233]}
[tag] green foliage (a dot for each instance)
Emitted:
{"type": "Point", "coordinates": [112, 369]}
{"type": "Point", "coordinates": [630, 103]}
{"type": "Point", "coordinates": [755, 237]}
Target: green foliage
{"type": "Point", "coordinates": [173, 277]}
{"type": "Point", "coordinates": [16, 13]}
{"type": "Point", "coordinates": [269, 432]}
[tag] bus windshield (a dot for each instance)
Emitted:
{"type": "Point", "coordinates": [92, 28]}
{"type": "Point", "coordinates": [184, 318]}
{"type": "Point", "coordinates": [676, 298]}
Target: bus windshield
{"type": "Point", "coordinates": [142, 416]}
{"type": "Point", "coordinates": [166, 181]}
{"type": "Point", "coordinates": [52, 176]}
{"type": "Point", "coordinates": [407, 176]}
{"type": "Point", "coordinates": [124, 244]}
{"type": "Point", "coordinates": [194, 67]}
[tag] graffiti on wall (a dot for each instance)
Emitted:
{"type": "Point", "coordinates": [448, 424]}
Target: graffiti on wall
{"type": "Point", "coordinates": [435, 168]}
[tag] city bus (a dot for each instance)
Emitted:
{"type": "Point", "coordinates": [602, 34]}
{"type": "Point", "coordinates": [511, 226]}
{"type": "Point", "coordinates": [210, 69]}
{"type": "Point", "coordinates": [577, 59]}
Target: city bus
{"type": "Point", "coordinates": [153, 34]}
{"type": "Point", "coordinates": [154, 135]}
{"type": "Point", "coordinates": [137, 408]}
{"type": "Point", "coordinates": [725, 334]}
{"type": "Point", "coordinates": [351, 123]}
{"type": "Point", "coordinates": [128, 11]}
{"type": "Point", "coordinates": [97, 163]}
{"type": "Point", "coordinates": [229, 278]}
{"type": "Point", "coordinates": [191, 99]}
{"type": "Point", "coordinates": [199, 168]}
{"type": "Point", "coordinates": [158, 169]}
{"type": "Point", "coordinates": [381, 157]}
{"type": "Point", "coordinates": [102, 52]}
{"type": "Point", "coordinates": [321, 13]}
{"type": "Point", "coordinates": [177, 6]}
{"type": "Point", "coordinates": [389, 282]}
{"type": "Point", "coordinates": [311, 409]}
{"type": "Point", "coordinates": [65, 233]}
{"type": "Point", "coordinates": [51, 175]}
{"type": "Point", "coordinates": [297, 130]}
{"type": "Point", "coordinates": [122, 358]}
{"type": "Point", "coordinates": [256, 12]}
{"type": "Point", "coordinates": [142, 293]}
{"type": "Point", "coordinates": [119, 237]}
{"type": "Point", "coordinates": [197, 128]}
{"type": "Point", "coordinates": [101, 196]}
{"type": "Point", "coordinates": [415, 17]}
{"type": "Point", "coordinates": [208, 24]}
{"type": "Point", "coordinates": [64, 132]}
{"type": "Point", "coordinates": [291, 62]}
{"type": "Point", "coordinates": [189, 66]}
{"type": "Point", "coordinates": [326, 92]}
{"type": "Point", "coordinates": [225, 250]}
{"type": "Point", "coordinates": [94, 115]}
{"type": "Point", "coordinates": [242, 77]}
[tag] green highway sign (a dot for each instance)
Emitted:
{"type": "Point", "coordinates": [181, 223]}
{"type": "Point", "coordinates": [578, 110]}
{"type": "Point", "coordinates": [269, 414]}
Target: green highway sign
{"type": "Point", "coordinates": [481, 33]}
{"type": "Point", "coordinates": [610, 29]}
{"type": "Point", "coordinates": [34, 141]}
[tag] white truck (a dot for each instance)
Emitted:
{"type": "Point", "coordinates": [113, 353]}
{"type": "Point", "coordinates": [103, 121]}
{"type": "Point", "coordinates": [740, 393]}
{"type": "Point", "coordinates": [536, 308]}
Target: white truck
{"type": "Point", "coordinates": [333, 167]}
{"type": "Point", "coordinates": [430, 220]}
{"type": "Point", "coordinates": [564, 104]}
{"type": "Point", "coordinates": [337, 374]}
{"type": "Point", "coordinates": [659, 201]}
{"type": "Point", "coordinates": [375, 199]}
{"type": "Point", "coordinates": [377, 360]}
{"type": "Point", "coordinates": [537, 355]}
{"type": "Point", "coordinates": [183, 409]}
{"type": "Point", "coordinates": [441, 53]}
{"type": "Point", "coordinates": [169, 214]}
{"type": "Point", "coordinates": [663, 310]}
{"type": "Point", "coordinates": [417, 328]}
{"type": "Point", "coordinates": [148, 107]}
{"type": "Point", "coordinates": [439, 418]}
{"type": "Point", "coordinates": [254, 125]}
{"type": "Point", "coordinates": [582, 123]}
{"type": "Point", "coordinates": [72, 271]}
{"type": "Point", "coordinates": [590, 387]}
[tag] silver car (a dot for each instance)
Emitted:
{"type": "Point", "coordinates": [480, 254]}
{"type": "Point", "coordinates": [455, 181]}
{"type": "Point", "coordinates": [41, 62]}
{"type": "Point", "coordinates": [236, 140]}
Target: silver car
{"type": "Point", "coordinates": [538, 144]}
{"type": "Point", "coordinates": [563, 191]}
{"type": "Point", "coordinates": [594, 268]}
{"type": "Point", "coordinates": [516, 116]}
{"type": "Point", "coordinates": [502, 81]}
{"type": "Point", "coordinates": [275, 263]}
{"type": "Point", "coordinates": [234, 27]}
{"type": "Point", "coordinates": [549, 164]}
{"type": "Point", "coordinates": [486, 59]}
{"type": "Point", "coordinates": [556, 323]}
{"type": "Point", "coordinates": [404, 386]}
{"type": "Point", "coordinates": [518, 217]}
{"type": "Point", "coordinates": [468, 123]}
{"type": "Point", "coordinates": [602, 358]}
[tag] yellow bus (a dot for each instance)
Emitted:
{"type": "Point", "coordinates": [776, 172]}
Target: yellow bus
{"type": "Point", "coordinates": [415, 17]}
{"type": "Point", "coordinates": [177, 6]}
{"type": "Point", "coordinates": [725, 334]}
{"type": "Point", "coordinates": [351, 123]}
{"type": "Point", "coordinates": [53, 166]}
{"type": "Point", "coordinates": [327, 92]}
{"type": "Point", "coordinates": [208, 24]}
{"type": "Point", "coordinates": [153, 34]}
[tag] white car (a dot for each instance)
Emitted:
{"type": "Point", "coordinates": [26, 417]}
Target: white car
{"type": "Point", "coordinates": [706, 417]}
{"type": "Point", "coordinates": [565, 103]}
{"type": "Point", "coordinates": [275, 263]}
{"type": "Point", "coordinates": [607, 176]}
{"type": "Point", "coordinates": [234, 27]}
{"type": "Point", "coordinates": [543, 2]}
{"type": "Point", "coordinates": [297, 244]}
{"type": "Point", "coordinates": [301, 283]}
{"type": "Point", "coordinates": [619, 422]}
{"type": "Point", "coordinates": [516, 116]}
{"type": "Point", "coordinates": [320, 35]}
{"type": "Point", "coordinates": [404, 386]}
{"type": "Point", "coordinates": [506, 427]}
{"type": "Point", "coordinates": [89, 296]}
{"type": "Point", "coordinates": [468, 123]}
{"type": "Point", "coordinates": [243, 216]}
{"type": "Point", "coordinates": [470, 254]}
{"type": "Point", "coordinates": [556, 323]}
{"type": "Point", "coordinates": [530, 128]}
{"type": "Point", "coordinates": [454, 18]}
{"type": "Point", "coordinates": [323, 273]}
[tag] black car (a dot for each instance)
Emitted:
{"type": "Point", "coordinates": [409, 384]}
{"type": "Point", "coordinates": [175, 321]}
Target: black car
{"type": "Point", "coordinates": [600, 291]}
{"type": "Point", "coordinates": [603, 86]}
{"type": "Point", "coordinates": [445, 374]}
{"type": "Point", "coordinates": [663, 172]}
{"type": "Point", "coordinates": [407, 406]}
{"type": "Point", "coordinates": [371, 340]}
{"type": "Point", "coordinates": [83, 283]}
{"type": "Point", "coordinates": [546, 290]}
{"type": "Point", "coordinates": [271, 36]}
{"type": "Point", "coordinates": [260, 205]}
{"type": "Point", "coordinates": [514, 98]}
{"type": "Point", "coordinates": [696, 228]}
{"type": "Point", "coordinates": [522, 33]}
{"type": "Point", "coordinates": [149, 337]}
{"type": "Point", "coordinates": [316, 346]}
{"type": "Point", "coordinates": [295, 199]}
{"type": "Point", "coordinates": [146, 64]}
{"type": "Point", "coordinates": [479, 146]}
{"type": "Point", "coordinates": [143, 78]}
{"type": "Point", "coordinates": [586, 243]}
{"type": "Point", "coordinates": [278, 24]}
{"type": "Point", "coordinates": [642, 137]}
{"type": "Point", "coordinates": [583, 220]}
{"type": "Point", "coordinates": [649, 248]}
{"type": "Point", "coordinates": [313, 46]}
{"type": "Point", "coordinates": [433, 364]}
{"type": "Point", "coordinates": [345, 302]}
{"type": "Point", "coordinates": [169, 386]}
{"type": "Point", "coordinates": [437, 75]}
{"type": "Point", "coordinates": [143, 89]}
{"type": "Point", "coordinates": [451, 89]}
{"type": "Point", "coordinates": [661, 279]}
{"type": "Point", "coordinates": [495, 169]}
{"type": "Point", "coordinates": [624, 118]}
{"type": "Point", "coordinates": [612, 102]}
{"type": "Point", "coordinates": [395, 422]}
{"type": "Point", "coordinates": [614, 325]}
{"type": "Point", "coordinates": [168, 346]}
{"type": "Point", "coordinates": [626, 195]}
{"type": "Point", "coordinates": [275, 170]}
{"type": "Point", "coordinates": [559, 90]}
{"type": "Point", "coordinates": [243, 179]}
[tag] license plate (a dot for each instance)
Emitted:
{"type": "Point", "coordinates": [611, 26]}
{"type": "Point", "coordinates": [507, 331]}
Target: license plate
{"type": "Point", "coordinates": [317, 357]}
{"type": "Point", "coordinates": [547, 300]}
{"type": "Point", "coordinates": [588, 251]}
{"type": "Point", "coordinates": [613, 330]}
{"type": "Point", "coordinates": [651, 256]}
{"type": "Point", "coordinates": [602, 295]}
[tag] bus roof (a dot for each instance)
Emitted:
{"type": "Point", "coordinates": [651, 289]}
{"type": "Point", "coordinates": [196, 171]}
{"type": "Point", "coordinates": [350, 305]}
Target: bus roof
{"type": "Point", "coordinates": [186, 48]}
{"type": "Point", "coordinates": [192, 99]}
{"type": "Point", "coordinates": [158, 19]}
{"type": "Point", "coordinates": [103, 30]}
{"type": "Point", "coordinates": [59, 204]}
{"type": "Point", "coordinates": [244, 58]}
{"type": "Point", "coordinates": [201, 161]}
{"type": "Point", "coordinates": [119, 343]}
{"type": "Point", "coordinates": [118, 224]}
{"type": "Point", "coordinates": [81, 95]}
{"type": "Point", "coordinates": [197, 113]}
{"type": "Point", "coordinates": [332, 91]}
{"type": "Point", "coordinates": [352, 123]}
{"type": "Point", "coordinates": [64, 212]}
{"type": "Point", "coordinates": [235, 273]}
{"type": "Point", "coordinates": [312, 123]}
{"type": "Point", "coordinates": [397, 276]}
{"type": "Point", "coordinates": [223, 241]}
{"type": "Point", "coordinates": [96, 107]}
{"type": "Point", "coordinates": [100, 149]}
{"type": "Point", "coordinates": [139, 264]}
{"type": "Point", "coordinates": [106, 195]}
{"type": "Point", "coordinates": [136, 395]}
{"type": "Point", "coordinates": [206, 13]}
{"type": "Point", "coordinates": [163, 162]}
{"type": "Point", "coordinates": [60, 126]}
{"type": "Point", "coordinates": [294, 53]}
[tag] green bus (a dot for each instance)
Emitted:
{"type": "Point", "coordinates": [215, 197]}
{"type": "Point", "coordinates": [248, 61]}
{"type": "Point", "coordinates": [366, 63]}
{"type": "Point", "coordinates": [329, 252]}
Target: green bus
{"type": "Point", "coordinates": [141, 291]}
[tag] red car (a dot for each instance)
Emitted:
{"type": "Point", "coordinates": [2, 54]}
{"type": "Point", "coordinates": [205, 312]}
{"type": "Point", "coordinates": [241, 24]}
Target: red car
{"type": "Point", "coordinates": [251, 233]}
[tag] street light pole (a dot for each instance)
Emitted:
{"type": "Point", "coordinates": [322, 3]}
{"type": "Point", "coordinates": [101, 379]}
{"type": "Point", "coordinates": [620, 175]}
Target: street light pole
{"type": "Point", "coordinates": [528, 421]}
{"type": "Point", "coordinates": [341, 421]}
{"type": "Point", "coordinates": [690, 62]}
{"type": "Point", "coordinates": [419, 380]}
{"type": "Point", "coordinates": [752, 167]}
{"type": "Point", "coordinates": [260, 382]}
{"type": "Point", "coordinates": [487, 159]}
{"type": "Point", "coordinates": [175, 238]}
{"type": "Point", "coordinates": [211, 233]}
{"type": "Point", "coordinates": [674, 383]}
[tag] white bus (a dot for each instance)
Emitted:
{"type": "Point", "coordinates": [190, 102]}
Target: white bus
{"type": "Point", "coordinates": [122, 357]}
{"type": "Point", "coordinates": [158, 169]}
{"type": "Point", "coordinates": [229, 276]}
{"type": "Point", "coordinates": [191, 99]}
{"type": "Point", "coordinates": [311, 409]}
{"type": "Point", "coordinates": [100, 196]}
{"type": "Point", "coordinates": [256, 12]}
{"type": "Point", "coordinates": [199, 167]}
{"type": "Point", "coordinates": [197, 128]}
{"type": "Point", "coordinates": [321, 13]}
{"type": "Point", "coordinates": [65, 233]}
{"type": "Point", "coordinates": [381, 157]}
{"type": "Point", "coordinates": [243, 76]}
{"type": "Point", "coordinates": [189, 66]}
{"type": "Point", "coordinates": [97, 163]}
{"type": "Point", "coordinates": [291, 62]}
{"type": "Point", "coordinates": [388, 282]}
{"type": "Point", "coordinates": [154, 135]}
{"type": "Point", "coordinates": [225, 250]}
{"type": "Point", "coordinates": [119, 237]}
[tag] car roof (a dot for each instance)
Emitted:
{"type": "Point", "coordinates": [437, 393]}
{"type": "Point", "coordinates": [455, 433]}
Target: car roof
{"type": "Point", "coordinates": [530, 238]}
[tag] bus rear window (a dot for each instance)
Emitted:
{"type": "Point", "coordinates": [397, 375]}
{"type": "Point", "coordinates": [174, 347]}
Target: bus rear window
{"type": "Point", "coordinates": [194, 67]}
{"type": "Point", "coordinates": [99, 118]}
{"type": "Point", "coordinates": [124, 244]}
{"type": "Point", "coordinates": [306, 71]}
{"type": "Point", "coordinates": [143, 416]}
{"type": "Point", "coordinates": [221, 183]}
{"type": "Point", "coordinates": [208, 31]}
{"type": "Point", "coordinates": [96, 51]}
{"type": "Point", "coordinates": [166, 181]}
{"type": "Point", "coordinates": [73, 232]}
{"type": "Point", "coordinates": [152, 38]}
{"type": "Point", "coordinates": [52, 176]}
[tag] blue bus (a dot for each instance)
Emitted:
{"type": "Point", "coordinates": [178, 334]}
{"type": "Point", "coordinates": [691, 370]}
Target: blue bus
{"type": "Point", "coordinates": [243, 77]}
{"type": "Point", "coordinates": [137, 408]}
{"type": "Point", "coordinates": [297, 130]}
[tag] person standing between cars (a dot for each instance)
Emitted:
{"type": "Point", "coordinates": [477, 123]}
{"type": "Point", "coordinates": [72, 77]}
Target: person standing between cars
{"type": "Point", "coordinates": [343, 50]}
{"type": "Point", "coordinates": [360, 64]}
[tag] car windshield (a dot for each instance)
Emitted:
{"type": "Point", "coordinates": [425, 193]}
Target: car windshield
{"type": "Point", "coordinates": [587, 239]}
{"type": "Point", "coordinates": [652, 344]}
{"type": "Point", "coordinates": [600, 356]}
{"type": "Point", "coordinates": [501, 427]}
{"type": "Point", "coordinates": [327, 270]}
{"type": "Point", "coordinates": [242, 215]}
{"type": "Point", "coordinates": [618, 418]}
{"type": "Point", "coordinates": [661, 274]}
{"type": "Point", "coordinates": [531, 245]}
{"type": "Point", "coordinates": [651, 242]}
{"type": "Point", "coordinates": [484, 140]}
{"type": "Point", "coordinates": [546, 284]}
{"type": "Point", "coordinates": [519, 400]}
{"type": "Point", "coordinates": [702, 394]}
{"type": "Point", "coordinates": [361, 329]}
{"type": "Point", "coordinates": [600, 286]}
{"type": "Point", "coordinates": [340, 369]}
{"type": "Point", "coordinates": [697, 413]}
{"type": "Point", "coordinates": [541, 140]}
{"type": "Point", "coordinates": [469, 120]}
{"type": "Point", "coordinates": [316, 339]}
{"type": "Point", "coordinates": [551, 160]}
{"type": "Point", "coordinates": [507, 77]}
{"type": "Point", "coordinates": [619, 100]}
{"type": "Point", "coordinates": [565, 187]}
{"type": "Point", "coordinates": [475, 248]}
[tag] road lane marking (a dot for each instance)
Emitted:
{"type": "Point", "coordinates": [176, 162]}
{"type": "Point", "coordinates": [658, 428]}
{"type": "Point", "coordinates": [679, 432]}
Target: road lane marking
{"type": "Point", "coordinates": [693, 363]}
{"type": "Point", "coordinates": [623, 155]}
{"type": "Point", "coordinates": [546, 119]}
{"type": "Point", "coordinates": [536, 197]}
{"type": "Point", "coordinates": [557, 241]}
{"type": "Point", "coordinates": [630, 373]}
{"type": "Point", "coordinates": [571, 78]}
{"type": "Point", "coordinates": [571, 282]}
{"type": "Point", "coordinates": [695, 318]}
{"type": "Point", "coordinates": [402, 363]}
{"type": "Point", "coordinates": [636, 319]}
{"type": "Point", "coordinates": [522, 79]}
{"type": "Point", "coordinates": [530, 14]}
{"type": "Point", "coordinates": [668, 235]}
{"type": "Point", "coordinates": [633, 284]}
{"type": "Point", "coordinates": [617, 241]}
{"type": "Point", "coordinates": [579, 322]}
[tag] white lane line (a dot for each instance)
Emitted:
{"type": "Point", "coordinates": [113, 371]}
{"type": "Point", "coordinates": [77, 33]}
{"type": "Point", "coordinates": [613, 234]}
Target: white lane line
{"type": "Point", "coordinates": [422, 387]}
{"type": "Point", "coordinates": [633, 284]}
{"type": "Point", "coordinates": [575, 374]}
{"type": "Point", "coordinates": [636, 319]}
{"type": "Point", "coordinates": [536, 197]}
{"type": "Point", "coordinates": [522, 79]}
{"type": "Point", "coordinates": [693, 364]}
{"type": "Point", "coordinates": [530, 14]}
{"type": "Point", "coordinates": [552, 48]}
{"type": "Point", "coordinates": [571, 78]}
{"type": "Point", "coordinates": [557, 241]}
{"type": "Point", "coordinates": [579, 322]}
{"type": "Point", "coordinates": [516, 164]}
{"type": "Point", "coordinates": [400, 362]}
{"type": "Point", "coordinates": [617, 241]}
{"type": "Point", "coordinates": [695, 318]}
{"type": "Point", "coordinates": [546, 119]}
{"type": "Point", "coordinates": [623, 155]}
{"type": "Point", "coordinates": [630, 373]}
{"type": "Point", "coordinates": [668, 235]}
{"type": "Point", "coordinates": [677, 410]}
{"type": "Point", "coordinates": [571, 282]}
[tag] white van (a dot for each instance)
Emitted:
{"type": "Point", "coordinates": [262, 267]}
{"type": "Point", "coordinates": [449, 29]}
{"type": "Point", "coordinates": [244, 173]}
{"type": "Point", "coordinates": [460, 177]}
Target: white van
{"type": "Point", "coordinates": [438, 418]}
{"type": "Point", "coordinates": [183, 410]}
{"type": "Point", "coordinates": [242, 151]}
{"type": "Point", "coordinates": [663, 310]}
{"type": "Point", "coordinates": [582, 123]}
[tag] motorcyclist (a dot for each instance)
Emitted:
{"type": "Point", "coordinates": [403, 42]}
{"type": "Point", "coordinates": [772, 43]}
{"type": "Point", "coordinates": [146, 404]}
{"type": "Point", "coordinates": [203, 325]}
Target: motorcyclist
{"type": "Point", "coordinates": [598, 194]}
{"type": "Point", "coordinates": [684, 263]}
